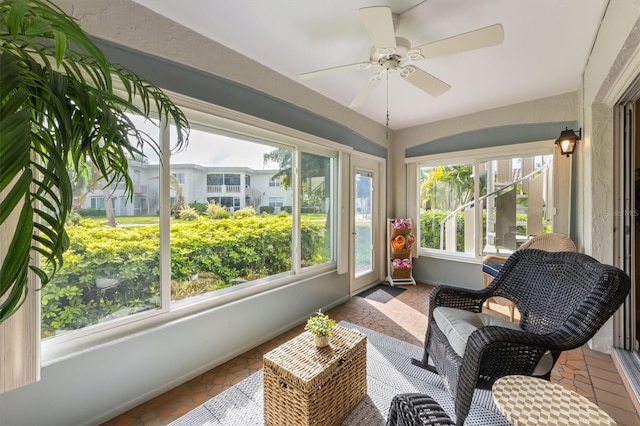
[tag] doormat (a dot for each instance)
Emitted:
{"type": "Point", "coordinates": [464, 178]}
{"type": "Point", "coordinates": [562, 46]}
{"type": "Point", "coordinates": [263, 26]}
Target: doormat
{"type": "Point", "coordinates": [381, 293]}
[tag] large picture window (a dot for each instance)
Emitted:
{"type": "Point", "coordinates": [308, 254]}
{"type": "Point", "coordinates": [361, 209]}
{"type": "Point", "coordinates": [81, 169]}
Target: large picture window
{"type": "Point", "coordinates": [471, 206]}
{"type": "Point", "coordinates": [111, 267]}
{"type": "Point", "coordinates": [233, 223]}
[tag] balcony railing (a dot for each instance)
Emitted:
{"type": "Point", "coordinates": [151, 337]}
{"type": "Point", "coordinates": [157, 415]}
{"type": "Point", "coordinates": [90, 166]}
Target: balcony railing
{"type": "Point", "coordinates": [223, 189]}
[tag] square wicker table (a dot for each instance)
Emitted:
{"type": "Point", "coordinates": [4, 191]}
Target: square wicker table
{"type": "Point", "coordinates": [305, 385]}
{"type": "Point", "coordinates": [529, 401]}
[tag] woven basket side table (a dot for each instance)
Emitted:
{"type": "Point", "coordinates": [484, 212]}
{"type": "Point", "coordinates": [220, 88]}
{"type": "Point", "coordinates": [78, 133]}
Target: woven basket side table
{"type": "Point", "coordinates": [309, 386]}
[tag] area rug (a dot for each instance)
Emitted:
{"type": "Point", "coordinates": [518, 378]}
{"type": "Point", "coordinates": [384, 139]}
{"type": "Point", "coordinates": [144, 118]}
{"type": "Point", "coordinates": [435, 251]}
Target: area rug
{"type": "Point", "coordinates": [381, 293]}
{"type": "Point", "coordinates": [389, 372]}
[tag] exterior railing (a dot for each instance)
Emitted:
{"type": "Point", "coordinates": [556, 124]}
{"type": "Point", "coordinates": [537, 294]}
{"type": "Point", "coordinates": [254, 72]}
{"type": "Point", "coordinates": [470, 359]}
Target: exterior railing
{"type": "Point", "coordinates": [451, 216]}
{"type": "Point", "coordinates": [223, 189]}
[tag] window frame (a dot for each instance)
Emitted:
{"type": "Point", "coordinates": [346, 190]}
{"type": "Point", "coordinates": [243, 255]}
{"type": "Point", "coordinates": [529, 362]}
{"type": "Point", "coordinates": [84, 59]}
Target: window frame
{"type": "Point", "coordinates": [473, 157]}
{"type": "Point", "coordinates": [205, 116]}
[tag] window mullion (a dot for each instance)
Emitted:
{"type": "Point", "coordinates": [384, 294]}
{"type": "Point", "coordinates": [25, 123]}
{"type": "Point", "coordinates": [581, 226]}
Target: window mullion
{"type": "Point", "coordinates": [296, 237]}
{"type": "Point", "coordinates": [165, 214]}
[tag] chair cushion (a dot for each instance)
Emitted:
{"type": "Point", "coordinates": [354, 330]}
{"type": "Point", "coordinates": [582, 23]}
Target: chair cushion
{"type": "Point", "coordinates": [458, 324]}
{"type": "Point", "coordinates": [492, 268]}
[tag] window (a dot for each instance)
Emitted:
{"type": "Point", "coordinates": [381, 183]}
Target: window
{"type": "Point", "coordinates": [232, 245]}
{"type": "Point", "coordinates": [179, 177]}
{"type": "Point", "coordinates": [109, 270]}
{"type": "Point", "coordinates": [97, 203]}
{"type": "Point", "coordinates": [492, 201]}
{"type": "Point", "coordinates": [276, 202]}
{"type": "Point", "coordinates": [217, 237]}
{"type": "Point", "coordinates": [316, 194]}
{"type": "Point", "coordinates": [274, 182]}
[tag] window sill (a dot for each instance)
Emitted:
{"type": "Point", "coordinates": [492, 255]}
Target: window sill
{"type": "Point", "coordinates": [67, 346]}
{"type": "Point", "coordinates": [456, 257]}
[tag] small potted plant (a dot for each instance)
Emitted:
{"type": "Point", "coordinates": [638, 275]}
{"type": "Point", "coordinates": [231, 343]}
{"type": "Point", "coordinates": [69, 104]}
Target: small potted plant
{"type": "Point", "coordinates": [321, 326]}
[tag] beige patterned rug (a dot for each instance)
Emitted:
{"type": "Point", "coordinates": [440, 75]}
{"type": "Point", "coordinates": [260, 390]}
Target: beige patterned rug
{"type": "Point", "coordinates": [389, 372]}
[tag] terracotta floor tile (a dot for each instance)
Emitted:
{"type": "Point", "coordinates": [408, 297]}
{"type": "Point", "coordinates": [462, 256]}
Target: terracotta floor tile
{"type": "Point", "coordinates": [583, 370]}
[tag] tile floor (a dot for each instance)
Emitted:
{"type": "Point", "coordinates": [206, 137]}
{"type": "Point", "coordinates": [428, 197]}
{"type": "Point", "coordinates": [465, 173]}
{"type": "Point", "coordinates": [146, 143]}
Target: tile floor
{"type": "Point", "coordinates": [587, 372]}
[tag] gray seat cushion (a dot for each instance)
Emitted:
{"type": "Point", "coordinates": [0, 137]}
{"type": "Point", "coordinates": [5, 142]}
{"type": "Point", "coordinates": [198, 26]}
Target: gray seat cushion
{"type": "Point", "coordinates": [458, 324]}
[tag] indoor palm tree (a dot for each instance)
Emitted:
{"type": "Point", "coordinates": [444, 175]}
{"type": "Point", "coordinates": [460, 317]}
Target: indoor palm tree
{"type": "Point", "coordinates": [59, 113]}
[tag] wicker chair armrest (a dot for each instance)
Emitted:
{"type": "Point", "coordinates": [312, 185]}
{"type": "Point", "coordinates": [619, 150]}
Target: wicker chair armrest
{"type": "Point", "coordinates": [497, 351]}
{"type": "Point", "coordinates": [457, 297]}
{"type": "Point", "coordinates": [496, 335]}
{"type": "Point", "coordinates": [493, 258]}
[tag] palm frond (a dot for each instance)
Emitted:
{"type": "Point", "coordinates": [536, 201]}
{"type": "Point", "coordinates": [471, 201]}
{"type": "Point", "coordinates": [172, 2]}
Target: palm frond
{"type": "Point", "coordinates": [59, 113]}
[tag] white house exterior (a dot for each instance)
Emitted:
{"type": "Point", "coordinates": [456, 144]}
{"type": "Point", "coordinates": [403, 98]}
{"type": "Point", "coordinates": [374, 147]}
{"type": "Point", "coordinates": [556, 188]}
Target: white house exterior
{"type": "Point", "coordinates": [232, 187]}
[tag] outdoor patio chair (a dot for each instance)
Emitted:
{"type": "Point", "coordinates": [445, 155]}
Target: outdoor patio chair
{"type": "Point", "coordinates": [492, 263]}
{"type": "Point", "coordinates": [563, 298]}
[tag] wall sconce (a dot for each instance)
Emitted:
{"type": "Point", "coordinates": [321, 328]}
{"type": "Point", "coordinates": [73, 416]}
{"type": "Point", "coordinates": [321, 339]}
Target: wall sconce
{"type": "Point", "coordinates": [568, 140]}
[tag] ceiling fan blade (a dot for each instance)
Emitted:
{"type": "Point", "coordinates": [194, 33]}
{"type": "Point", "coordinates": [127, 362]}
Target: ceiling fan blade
{"type": "Point", "coordinates": [327, 71]}
{"type": "Point", "coordinates": [365, 92]}
{"type": "Point", "coordinates": [379, 23]}
{"type": "Point", "coordinates": [424, 81]}
{"type": "Point", "coordinates": [476, 39]}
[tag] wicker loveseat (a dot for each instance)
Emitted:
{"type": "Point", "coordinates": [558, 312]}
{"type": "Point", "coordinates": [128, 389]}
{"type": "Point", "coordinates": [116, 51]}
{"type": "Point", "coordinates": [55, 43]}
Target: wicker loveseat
{"type": "Point", "coordinates": [563, 298]}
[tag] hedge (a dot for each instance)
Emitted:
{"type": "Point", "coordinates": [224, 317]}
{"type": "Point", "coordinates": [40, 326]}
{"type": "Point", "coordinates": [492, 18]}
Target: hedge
{"type": "Point", "coordinates": [223, 252]}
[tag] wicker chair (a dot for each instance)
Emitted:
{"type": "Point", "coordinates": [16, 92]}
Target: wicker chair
{"type": "Point", "coordinates": [492, 263]}
{"type": "Point", "coordinates": [563, 297]}
{"type": "Point", "coordinates": [416, 409]}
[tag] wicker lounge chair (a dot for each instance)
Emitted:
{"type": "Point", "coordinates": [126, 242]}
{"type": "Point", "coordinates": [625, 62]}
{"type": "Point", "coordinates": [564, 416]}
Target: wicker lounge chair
{"type": "Point", "coordinates": [563, 297]}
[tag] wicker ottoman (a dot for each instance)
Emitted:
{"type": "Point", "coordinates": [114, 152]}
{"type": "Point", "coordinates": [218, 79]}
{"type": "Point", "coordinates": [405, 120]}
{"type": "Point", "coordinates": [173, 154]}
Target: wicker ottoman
{"type": "Point", "coordinates": [416, 409]}
{"type": "Point", "coordinates": [305, 385]}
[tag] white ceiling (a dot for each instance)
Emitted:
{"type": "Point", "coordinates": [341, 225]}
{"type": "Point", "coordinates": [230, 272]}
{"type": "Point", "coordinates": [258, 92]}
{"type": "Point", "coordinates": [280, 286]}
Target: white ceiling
{"type": "Point", "coordinates": [545, 49]}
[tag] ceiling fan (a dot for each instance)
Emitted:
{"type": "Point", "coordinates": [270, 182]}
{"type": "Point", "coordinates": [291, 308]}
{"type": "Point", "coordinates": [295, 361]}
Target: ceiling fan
{"type": "Point", "coordinates": [390, 53]}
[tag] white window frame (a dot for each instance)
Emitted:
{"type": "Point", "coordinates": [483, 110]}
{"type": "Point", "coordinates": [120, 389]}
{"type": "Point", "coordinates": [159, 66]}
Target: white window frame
{"type": "Point", "coordinates": [222, 120]}
{"type": "Point", "coordinates": [473, 157]}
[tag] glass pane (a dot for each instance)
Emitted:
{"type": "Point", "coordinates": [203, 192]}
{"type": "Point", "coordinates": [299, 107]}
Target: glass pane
{"type": "Point", "coordinates": [364, 223]}
{"type": "Point", "coordinates": [517, 201]}
{"type": "Point", "coordinates": [111, 268]}
{"type": "Point", "coordinates": [316, 222]}
{"type": "Point", "coordinates": [446, 207]}
{"type": "Point", "coordinates": [223, 233]}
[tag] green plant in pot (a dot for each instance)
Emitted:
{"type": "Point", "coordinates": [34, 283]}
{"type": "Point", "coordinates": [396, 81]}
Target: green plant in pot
{"type": "Point", "coordinates": [63, 112]}
{"type": "Point", "coordinates": [321, 326]}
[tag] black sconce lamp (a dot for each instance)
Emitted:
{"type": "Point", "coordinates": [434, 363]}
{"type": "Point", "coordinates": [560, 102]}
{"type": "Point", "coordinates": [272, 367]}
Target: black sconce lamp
{"type": "Point", "coordinates": [568, 140]}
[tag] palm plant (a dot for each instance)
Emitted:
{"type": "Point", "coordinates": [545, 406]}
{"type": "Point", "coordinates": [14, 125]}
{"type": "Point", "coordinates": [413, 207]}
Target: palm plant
{"type": "Point", "coordinates": [59, 112]}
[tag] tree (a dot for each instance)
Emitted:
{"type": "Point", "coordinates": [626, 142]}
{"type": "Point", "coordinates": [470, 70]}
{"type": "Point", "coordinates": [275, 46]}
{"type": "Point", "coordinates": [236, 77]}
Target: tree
{"type": "Point", "coordinates": [313, 166]}
{"type": "Point", "coordinates": [447, 187]}
{"type": "Point", "coordinates": [58, 112]}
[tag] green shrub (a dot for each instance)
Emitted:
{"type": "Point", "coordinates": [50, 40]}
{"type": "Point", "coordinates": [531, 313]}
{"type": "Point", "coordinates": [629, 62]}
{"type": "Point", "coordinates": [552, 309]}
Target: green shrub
{"type": "Point", "coordinates": [201, 208]}
{"type": "Point", "coordinates": [219, 251]}
{"type": "Point", "coordinates": [188, 213]}
{"type": "Point", "coordinates": [216, 211]}
{"type": "Point", "coordinates": [244, 212]}
{"type": "Point", "coordinates": [430, 228]}
{"type": "Point", "coordinates": [267, 209]}
{"type": "Point", "coordinates": [91, 213]}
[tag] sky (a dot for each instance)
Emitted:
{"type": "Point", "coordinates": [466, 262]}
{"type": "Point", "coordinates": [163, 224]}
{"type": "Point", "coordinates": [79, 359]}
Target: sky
{"type": "Point", "coordinates": [209, 149]}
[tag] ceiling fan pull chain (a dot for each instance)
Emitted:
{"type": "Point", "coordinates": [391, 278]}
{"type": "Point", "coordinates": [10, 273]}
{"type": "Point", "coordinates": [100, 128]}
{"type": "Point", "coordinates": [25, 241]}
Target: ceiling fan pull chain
{"type": "Point", "coordinates": [387, 126]}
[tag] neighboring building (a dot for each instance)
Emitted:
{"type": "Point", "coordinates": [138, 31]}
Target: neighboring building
{"type": "Point", "coordinates": [231, 187]}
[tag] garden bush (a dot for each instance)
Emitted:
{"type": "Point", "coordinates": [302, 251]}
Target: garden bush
{"type": "Point", "coordinates": [91, 212]}
{"type": "Point", "coordinates": [188, 213]}
{"type": "Point", "coordinates": [201, 208]}
{"type": "Point", "coordinates": [244, 212]}
{"type": "Point", "coordinates": [430, 228]}
{"type": "Point", "coordinates": [216, 211]}
{"type": "Point", "coordinates": [219, 251]}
